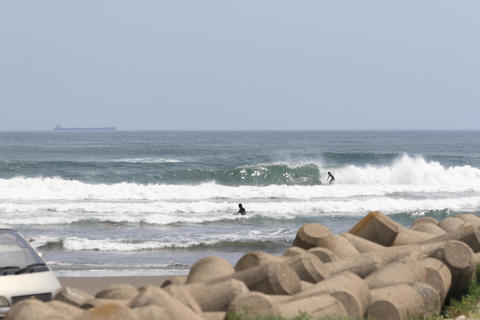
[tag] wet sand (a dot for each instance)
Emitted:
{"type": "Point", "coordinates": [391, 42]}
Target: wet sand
{"type": "Point", "coordinates": [94, 284]}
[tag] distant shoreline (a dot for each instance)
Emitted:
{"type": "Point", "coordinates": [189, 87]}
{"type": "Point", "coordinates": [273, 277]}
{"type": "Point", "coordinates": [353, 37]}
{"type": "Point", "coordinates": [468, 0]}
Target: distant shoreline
{"type": "Point", "coordinates": [79, 129]}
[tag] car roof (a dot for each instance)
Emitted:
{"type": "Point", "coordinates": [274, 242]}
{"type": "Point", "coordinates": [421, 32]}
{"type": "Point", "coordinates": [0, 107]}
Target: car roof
{"type": "Point", "coordinates": [3, 226]}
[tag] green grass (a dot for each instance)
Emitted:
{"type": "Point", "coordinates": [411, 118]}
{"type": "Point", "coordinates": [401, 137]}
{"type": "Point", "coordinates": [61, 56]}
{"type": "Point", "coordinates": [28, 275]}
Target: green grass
{"type": "Point", "coordinates": [467, 304]}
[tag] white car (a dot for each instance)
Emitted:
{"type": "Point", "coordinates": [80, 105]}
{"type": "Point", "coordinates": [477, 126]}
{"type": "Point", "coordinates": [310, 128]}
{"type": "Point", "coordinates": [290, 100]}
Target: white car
{"type": "Point", "coordinates": [23, 273]}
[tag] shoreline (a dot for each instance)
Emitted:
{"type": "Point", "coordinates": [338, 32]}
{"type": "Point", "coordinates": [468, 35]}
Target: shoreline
{"type": "Point", "coordinates": [94, 284]}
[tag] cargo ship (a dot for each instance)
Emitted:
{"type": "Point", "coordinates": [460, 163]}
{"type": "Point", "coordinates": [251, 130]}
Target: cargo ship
{"type": "Point", "coordinates": [104, 129]}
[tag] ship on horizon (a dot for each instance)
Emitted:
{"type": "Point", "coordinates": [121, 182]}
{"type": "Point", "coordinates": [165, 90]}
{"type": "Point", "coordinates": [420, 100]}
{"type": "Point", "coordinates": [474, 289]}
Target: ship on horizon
{"type": "Point", "coordinates": [102, 129]}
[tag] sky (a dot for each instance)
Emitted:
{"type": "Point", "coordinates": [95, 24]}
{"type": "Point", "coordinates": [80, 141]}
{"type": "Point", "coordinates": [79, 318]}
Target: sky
{"type": "Point", "coordinates": [240, 65]}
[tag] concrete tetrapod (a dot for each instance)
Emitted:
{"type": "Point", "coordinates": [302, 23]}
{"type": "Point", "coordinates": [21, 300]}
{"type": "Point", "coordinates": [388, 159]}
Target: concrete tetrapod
{"type": "Point", "coordinates": [293, 251]}
{"type": "Point", "coordinates": [476, 259]}
{"type": "Point", "coordinates": [305, 285]}
{"type": "Point", "coordinates": [346, 287]}
{"type": "Point", "coordinates": [461, 280]}
{"type": "Point", "coordinates": [428, 228]}
{"type": "Point", "coordinates": [309, 235]}
{"type": "Point", "coordinates": [407, 236]}
{"type": "Point", "coordinates": [178, 280]}
{"type": "Point", "coordinates": [399, 302]}
{"type": "Point", "coordinates": [208, 268]}
{"type": "Point", "coordinates": [212, 297]}
{"type": "Point", "coordinates": [118, 291]}
{"type": "Point", "coordinates": [430, 297]}
{"type": "Point", "coordinates": [458, 257]}
{"type": "Point", "coordinates": [72, 296]}
{"type": "Point", "coordinates": [396, 272]}
{"type": "Point", "coordinates": [340, 246]}
{"type": "Point", "coordinates": [410, 271]}
{"type": "Point", "coordinates": [98, 302]}
{"type": "Point", "coordinates": [450, 224]}
{"type": "Point", "coordinates": [153, 295]}
{"type": "Point", "coordinates": [65, 308]}
{"type": "Point", "coordinates": [317, 306]}
{"type": "Point", "coordinates": [306, 265]}
{"type": "Point", "coordinates": [151, 312]}
{"type": "Point", "coordinates": [377, 227]}
{"type": "Point", "coordinates": [365, 263]}
{"type": "Point", "coordinates": [323, 254]}
{"type": "Point", "coordinates": [183, 295]}
{"type": "Point", "coordinates": [466, 233]}
{"type": "Point", "coordinates": [257, 258]}
{"type": "Point", "coordinates": [469, 218]}
{"type": "Point", "coordinates": [271, 278]}
{"type": "Point", "coordinates": [437, 275]}
{"type": "Point", "coordinates": [317, 235]}
{"type": "Point", "coordinates": [422, 220]}
{"type": "Point", "coordinates": [108, 312]}
{"type": "Point", "coordinates": [24, 310]}
{"type": "Point", "coordinates": [214, 315]}
{"type": "Point", "coordinates": [361, 244]}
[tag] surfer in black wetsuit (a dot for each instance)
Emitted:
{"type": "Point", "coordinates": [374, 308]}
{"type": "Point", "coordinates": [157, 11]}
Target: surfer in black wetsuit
{"type": "Point", "coordinates": [241, 210]}
{"type": "Point", "coordinates": [331, 177]}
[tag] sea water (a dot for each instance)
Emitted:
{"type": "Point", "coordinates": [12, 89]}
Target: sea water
{"type": "Point", "coordinates": [133, 203]}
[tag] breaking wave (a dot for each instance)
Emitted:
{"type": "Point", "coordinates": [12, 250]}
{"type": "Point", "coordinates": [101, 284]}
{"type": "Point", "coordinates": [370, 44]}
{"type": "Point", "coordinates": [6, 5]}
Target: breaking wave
{"type": "Point", "coordinates": [164, 213]}
{"type": "Point", "coordinates": [415, 174]}
{"type": "Point", "coordinates": [267, 240]}
{"type": "Point", "coordinates": [407, 184]}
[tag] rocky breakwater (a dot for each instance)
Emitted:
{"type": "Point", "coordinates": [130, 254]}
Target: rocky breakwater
{"type": "Point", "coordinates": [379, 269]}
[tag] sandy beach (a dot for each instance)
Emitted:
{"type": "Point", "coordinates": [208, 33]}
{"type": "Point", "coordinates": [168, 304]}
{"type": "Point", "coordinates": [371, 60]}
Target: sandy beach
{"type": "Point", "coordinates": [94, 284]}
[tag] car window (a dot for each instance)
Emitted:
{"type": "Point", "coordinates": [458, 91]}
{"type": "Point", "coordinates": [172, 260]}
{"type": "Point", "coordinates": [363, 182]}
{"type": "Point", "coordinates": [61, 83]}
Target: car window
{"type": "Point", "coordinates": [15, 251]}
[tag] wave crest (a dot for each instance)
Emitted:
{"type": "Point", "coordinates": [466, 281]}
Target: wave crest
{"type": "Point", "coordinates": [84, 244]}
{"type": "Point", "coordinates": [404, 174]}
{"type": "Point", "coordinates": [412, 171]}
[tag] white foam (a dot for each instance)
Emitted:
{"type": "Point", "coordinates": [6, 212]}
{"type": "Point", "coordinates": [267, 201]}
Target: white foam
{"type": "Point", "coordinates": [409, 184]}
{"type": "Point", "coordinates": [412, 171]}
{"type": "Point", "coordinates": [73, 243]}
{"type": "Point", "coordinates": [116, 265]}
{"type": "Point", "coordinates": [148, 160]}
{"type": "Point", "coordinates": [205, 211]}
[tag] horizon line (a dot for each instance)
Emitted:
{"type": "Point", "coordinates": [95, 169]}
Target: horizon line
{"type": "Point", "coordinates": [248, 130]}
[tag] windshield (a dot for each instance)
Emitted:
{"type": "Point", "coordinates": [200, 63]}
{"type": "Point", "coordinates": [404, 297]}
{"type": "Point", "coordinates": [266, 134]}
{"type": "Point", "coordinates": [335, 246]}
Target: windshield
{"type": "Point", "coordinates": [15, 251]}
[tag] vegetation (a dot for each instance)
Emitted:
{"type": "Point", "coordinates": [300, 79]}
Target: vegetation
{"type": "Point", "coordinates": [467, 305]}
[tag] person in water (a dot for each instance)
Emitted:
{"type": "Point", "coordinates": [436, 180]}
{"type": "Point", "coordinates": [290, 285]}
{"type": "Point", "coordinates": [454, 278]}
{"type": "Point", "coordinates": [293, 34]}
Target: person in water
{"type": "Point", "coordinates": [241, 210]}
{"type": "Point", "coordinates": [330, 178]}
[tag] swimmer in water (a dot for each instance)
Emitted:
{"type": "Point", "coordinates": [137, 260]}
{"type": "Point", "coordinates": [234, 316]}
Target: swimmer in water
{"type": "Point", "coordinates": [241, 210]}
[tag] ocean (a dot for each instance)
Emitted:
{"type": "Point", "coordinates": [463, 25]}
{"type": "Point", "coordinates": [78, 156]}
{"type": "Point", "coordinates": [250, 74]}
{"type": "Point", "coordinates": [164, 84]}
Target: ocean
{"type": "Point", "coordinates": [153, 203]}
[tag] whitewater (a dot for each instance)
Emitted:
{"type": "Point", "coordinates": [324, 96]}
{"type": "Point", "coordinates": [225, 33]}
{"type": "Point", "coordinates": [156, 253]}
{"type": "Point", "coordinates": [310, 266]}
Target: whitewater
{"type": "Point", "coordinates": [408, 184]}
{"type": "Point", "coordinates": [156, 207]}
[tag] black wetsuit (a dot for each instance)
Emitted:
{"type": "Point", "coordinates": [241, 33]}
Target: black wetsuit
{"type": "Point", "coordinates": [332, 178]}
{"type": "Point", "coordinates": [242, 211]}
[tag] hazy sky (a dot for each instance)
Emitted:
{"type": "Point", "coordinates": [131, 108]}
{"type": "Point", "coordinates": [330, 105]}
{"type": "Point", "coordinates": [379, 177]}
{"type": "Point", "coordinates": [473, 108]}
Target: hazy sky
{"type": "Point", "coordinates": [212, 65]}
